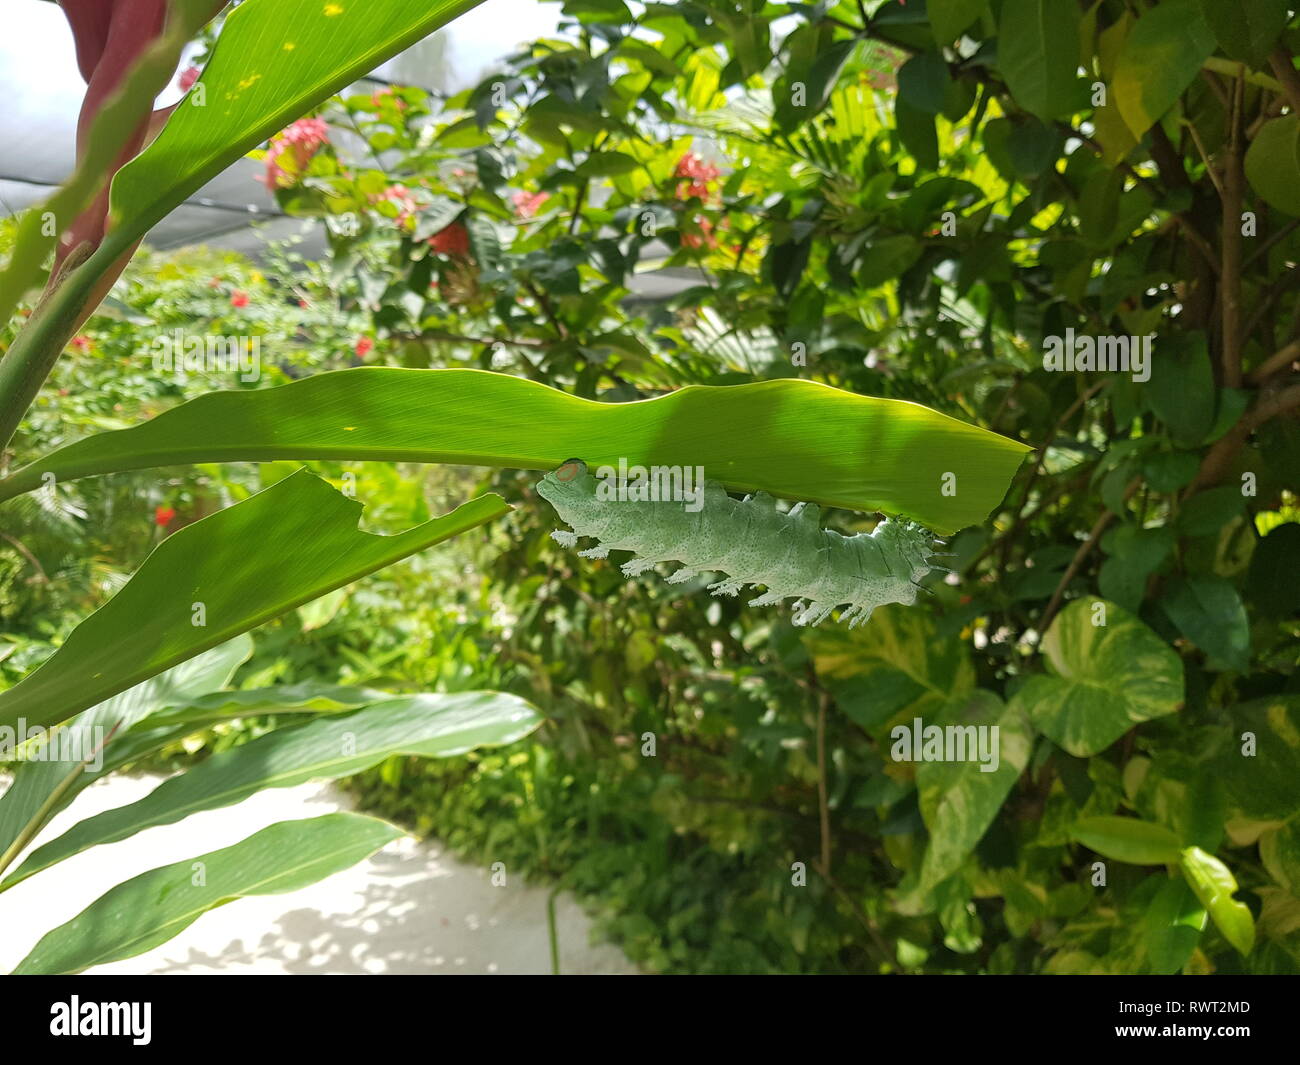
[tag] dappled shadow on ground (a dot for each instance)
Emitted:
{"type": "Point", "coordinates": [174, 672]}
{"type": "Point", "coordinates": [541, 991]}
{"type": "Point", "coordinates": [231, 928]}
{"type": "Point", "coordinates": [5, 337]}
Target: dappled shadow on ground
{"type": "Point", "coordinates": [417, 911]}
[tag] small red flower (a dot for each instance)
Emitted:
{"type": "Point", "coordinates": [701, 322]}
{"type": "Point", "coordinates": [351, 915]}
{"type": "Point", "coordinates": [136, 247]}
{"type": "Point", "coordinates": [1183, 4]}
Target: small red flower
{"type": "Point", "coordinates": [162, 516]}
{"type": "Point", "coordinates": [239, 298]}
{"type": "Point", "coordinates": [364, 347]}
{"type": "Point", "coordinates": [703, 237]}
{"type": "Point", "coordinates": [81, 343]}
{"type": "Point", "coordinates": [304, 304]}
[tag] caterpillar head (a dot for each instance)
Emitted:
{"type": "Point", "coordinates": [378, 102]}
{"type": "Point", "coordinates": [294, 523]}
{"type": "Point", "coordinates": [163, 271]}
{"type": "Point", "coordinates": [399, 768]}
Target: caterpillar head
{"type": "Point", "coordinates": [914, 544]}
{"type": "Point", "coordinates": [571, 490]}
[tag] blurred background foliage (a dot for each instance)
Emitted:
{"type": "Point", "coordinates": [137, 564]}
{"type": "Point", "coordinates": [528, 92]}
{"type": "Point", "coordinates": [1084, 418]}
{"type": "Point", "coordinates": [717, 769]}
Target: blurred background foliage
{"type": "Point", "coordinates": [715, 783]}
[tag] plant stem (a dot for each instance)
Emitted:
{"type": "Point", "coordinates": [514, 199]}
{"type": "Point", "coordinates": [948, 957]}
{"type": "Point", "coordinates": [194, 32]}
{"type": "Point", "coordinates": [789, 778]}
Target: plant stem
{"type": "Point", "coordinates": [553, 932]}
{"type": "Point", "coordinates": [31, 357]}
{"type": "Point", "coordinates": [823, 809]}
{"type": "Point", "coordinates": [1232, 193]}
{"type": "Point", "coordinates": [42, 816]}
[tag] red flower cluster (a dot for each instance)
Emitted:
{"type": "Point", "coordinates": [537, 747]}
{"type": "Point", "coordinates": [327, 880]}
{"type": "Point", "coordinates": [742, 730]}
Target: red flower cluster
{"type": "Point", "coordinates": [703, 237]}
{"type": "Point", "coordinates": [453, 240]}
{"type": "Point", "coordinates": [239, 298]}
{"type": "Point", "coordinates": [162, 516]}
{"type": "Point", "coordinates": [699, 174]}
{"type": "Point", "coordinates": [364, 347]}
{"type": "Point", "coordinates": [294, 146]}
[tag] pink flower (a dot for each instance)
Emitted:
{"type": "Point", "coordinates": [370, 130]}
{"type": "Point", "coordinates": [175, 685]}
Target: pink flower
{"type": "Point", "coordinates": [381, 96]}
{"type": "Point", "coordinates": [239, 298]}
{"type": "Point", "coordinates": [81, 343]}
{"type": "Point", "coordinates": [292, 149]}
{"type": "Point", "coordinates": [405, 202]}
{"type": "Point", "coordinates": [187, 78]}
{"type": "Point", "coordinates": [700, 174]}
{"type": "Point", "coordinates": [453, 240]}
{"type": "Point", "coordinates": [526, 204]}
{"type": "Point", "coordinates": [364, 347]}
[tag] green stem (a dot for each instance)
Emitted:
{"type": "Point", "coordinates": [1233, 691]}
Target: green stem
{"type": "Point", "coordinates": [29, 360]}
{"type": "Point", "coordinates": [554, 934]}
{"type": "Point", "coordinates": [42, 816]}
{"type": "Point", "coordinates": [1229, 69]}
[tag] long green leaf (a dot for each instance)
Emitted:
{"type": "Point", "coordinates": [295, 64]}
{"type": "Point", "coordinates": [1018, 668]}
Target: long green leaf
{"type": "Point", "coordinates": [1126, 839]}
{"type": "Point", "coordinates": [431, 726]}
{"type": "Point", "coordinates": [149, 909]}
{"type": "Point", "coordinates": [791, 438]}
{"type": "Point", "coordinates": [308, 697]}
{"type": "Point", "coordinates": [215, 579]}
{"type": "Point", "coordinates": [35, 779]}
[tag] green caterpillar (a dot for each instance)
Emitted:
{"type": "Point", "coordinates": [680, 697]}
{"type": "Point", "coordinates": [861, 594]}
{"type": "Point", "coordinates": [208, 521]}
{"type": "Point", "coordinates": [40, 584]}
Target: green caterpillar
{"type": "Point", "coordinates": [789, 554]}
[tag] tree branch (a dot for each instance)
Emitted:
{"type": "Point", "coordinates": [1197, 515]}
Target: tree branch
{"type": "Point", "coordinates": [1279, 360]}
{"type": "Point", "coordinates": [1220, 456]}
{"type": "Point", "coordinates": [1280, 61]}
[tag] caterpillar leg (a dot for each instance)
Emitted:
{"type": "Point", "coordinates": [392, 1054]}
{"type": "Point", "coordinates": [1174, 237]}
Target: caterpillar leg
{"type": "Point", "coordinates": [637, 566]}
{"type": "Point", "coordinates": [565, 538]}
{"type": "Point", "coordinates": [767, 599]}
{"type": "Point", "coordinates": [814, 614]}
{"type": "Point", "coordinates": [856, 615]}
{"type": "Point", "coordinates": [599, 551]}
{"type": "Point", "coordinates": [731, 586]}
{"type": "Point", "coordinates": [682, 575]}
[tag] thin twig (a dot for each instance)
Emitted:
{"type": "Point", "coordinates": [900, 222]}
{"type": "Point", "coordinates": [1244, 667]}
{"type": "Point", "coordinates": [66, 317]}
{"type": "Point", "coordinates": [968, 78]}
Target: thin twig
{"type": "Point", "coordinates": [1085, 548]}
{"type": "Point", "coordinates": [868, 922]}
{"type": "Point", "coordinates": [823, 808]}
{"type": "Point", "coordinates": [1232, 193]}
{"type": "Point", "coordinates": [1279, 360]}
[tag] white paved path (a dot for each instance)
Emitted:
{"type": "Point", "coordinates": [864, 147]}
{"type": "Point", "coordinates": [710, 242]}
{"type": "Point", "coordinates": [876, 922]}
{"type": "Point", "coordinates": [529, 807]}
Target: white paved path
{"type": "Point", "coordinates": [411, 908]}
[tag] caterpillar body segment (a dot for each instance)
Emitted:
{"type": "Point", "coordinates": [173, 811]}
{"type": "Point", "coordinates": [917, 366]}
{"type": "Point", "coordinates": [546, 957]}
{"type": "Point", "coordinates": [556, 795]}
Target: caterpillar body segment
{"type": "Point", "coordinates": [751, 542]}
